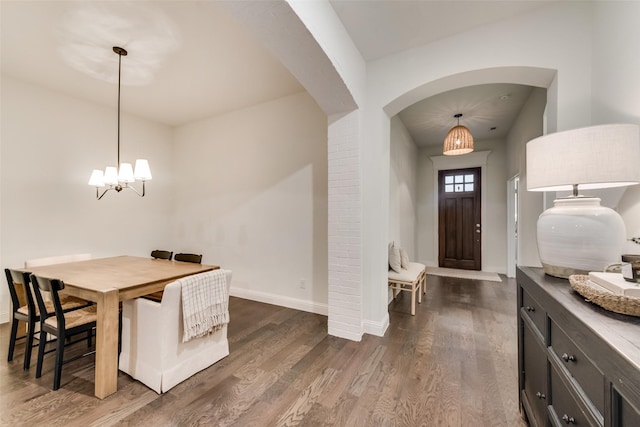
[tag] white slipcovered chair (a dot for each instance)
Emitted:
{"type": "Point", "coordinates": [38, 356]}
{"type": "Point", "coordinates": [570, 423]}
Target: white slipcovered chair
{"type": "Point", "coordinates": [152, 349]}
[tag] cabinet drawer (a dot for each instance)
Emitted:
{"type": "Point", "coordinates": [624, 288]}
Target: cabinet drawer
{"type": "Point", "coordinates": [564, 408]}
{"type": "Point", "coordinates": [578, 366]}
{"type": "Point", "coordinates": [535, 312]}
{"type": "Point", "coordinates": [534, 361]}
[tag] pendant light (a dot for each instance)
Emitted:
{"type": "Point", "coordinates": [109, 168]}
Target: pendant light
{"type": "Point", "coordinates": [458, 141]}
{"type": "Point", "coordinates": [119, 179]}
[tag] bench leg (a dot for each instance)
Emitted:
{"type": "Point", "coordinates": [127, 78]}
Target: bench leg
{"type": "Point", "coordinates": [413, 300]}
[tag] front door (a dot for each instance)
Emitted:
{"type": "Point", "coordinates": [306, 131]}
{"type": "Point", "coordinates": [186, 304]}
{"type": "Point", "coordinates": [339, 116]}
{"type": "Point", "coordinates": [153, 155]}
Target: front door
{"type": "Point", "coordinates": [459, 227]}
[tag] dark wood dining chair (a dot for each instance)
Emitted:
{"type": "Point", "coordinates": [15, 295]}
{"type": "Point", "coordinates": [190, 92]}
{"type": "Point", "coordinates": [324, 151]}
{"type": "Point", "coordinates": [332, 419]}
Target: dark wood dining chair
{"type": "Point", "coordinates": [23, 310]}
{"type": "Point", "coordinates": [160, 254]}
{"type": "Point", "coordinates": [196, 259]}
{"type": "Point", "coordinates": [26, 310]}
{"type": "Point", "coordinates": [61, 324]}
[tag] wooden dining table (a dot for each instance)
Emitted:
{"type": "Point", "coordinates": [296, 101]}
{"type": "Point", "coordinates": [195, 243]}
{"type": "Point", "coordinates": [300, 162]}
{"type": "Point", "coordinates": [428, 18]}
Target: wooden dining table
{"type": "Point", "coordinates": [107, 281]}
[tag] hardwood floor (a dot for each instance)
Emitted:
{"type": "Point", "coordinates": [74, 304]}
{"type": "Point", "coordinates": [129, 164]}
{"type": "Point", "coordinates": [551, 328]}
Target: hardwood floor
{"type": "Point", "coordinates": [452, 364]}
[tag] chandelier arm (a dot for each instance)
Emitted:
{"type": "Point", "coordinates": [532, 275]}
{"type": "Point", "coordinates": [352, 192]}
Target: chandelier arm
{"type": "Point", "coordinates": [130, 187]}
{"type": "Point", "coordinates": [100, 196]}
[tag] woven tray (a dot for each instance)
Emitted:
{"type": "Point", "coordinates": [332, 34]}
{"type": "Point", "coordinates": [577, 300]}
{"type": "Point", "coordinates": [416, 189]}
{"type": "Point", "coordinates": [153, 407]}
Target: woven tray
{"type": "Point", "coordinates": [604, 298]}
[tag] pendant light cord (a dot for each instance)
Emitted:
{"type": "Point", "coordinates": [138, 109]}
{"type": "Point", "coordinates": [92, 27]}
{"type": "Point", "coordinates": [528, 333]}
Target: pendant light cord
{"type": "Point", "coordinates": [121, 52]}
{"type": "Point", "coordinates": [119, 71]}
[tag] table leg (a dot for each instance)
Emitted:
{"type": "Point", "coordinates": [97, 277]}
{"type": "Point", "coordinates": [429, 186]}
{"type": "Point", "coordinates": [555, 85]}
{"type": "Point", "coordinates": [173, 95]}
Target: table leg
{"type": "Point", "coordinates": [106, 377]}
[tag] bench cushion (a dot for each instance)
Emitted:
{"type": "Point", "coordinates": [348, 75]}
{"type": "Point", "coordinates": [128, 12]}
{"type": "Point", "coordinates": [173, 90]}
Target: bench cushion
{"type": "Point", "coordinates": [394, 257]}
{"type": "Point", "coordinates": [409, 275]}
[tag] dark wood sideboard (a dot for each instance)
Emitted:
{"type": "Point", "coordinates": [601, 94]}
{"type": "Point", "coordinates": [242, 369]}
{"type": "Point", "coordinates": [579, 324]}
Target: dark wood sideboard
{"type": "Point", "coordinates": [579, 364]}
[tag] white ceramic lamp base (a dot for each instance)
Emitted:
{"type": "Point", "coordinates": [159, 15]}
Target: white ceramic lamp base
{"type": "Point", "coordinates": [577, 236]}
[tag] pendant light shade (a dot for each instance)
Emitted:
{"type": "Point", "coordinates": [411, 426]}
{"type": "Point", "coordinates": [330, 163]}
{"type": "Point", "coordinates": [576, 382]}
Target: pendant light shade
{"type": "Point", "coordinates": [458, 141]}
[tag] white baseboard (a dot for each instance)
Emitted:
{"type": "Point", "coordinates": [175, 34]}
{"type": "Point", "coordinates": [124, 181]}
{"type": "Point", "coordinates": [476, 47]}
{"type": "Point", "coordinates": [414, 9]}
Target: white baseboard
{"type": "Point", "coordinates": [295, 303]}
{"type": "Point", "coordinates": [376, 328]}
{"type": "Point", "coordinates": [336, 331]}
{"type": "Point", "coordinates": [4, 317]}
{"type": "Point", "coordinates": [368, 327]}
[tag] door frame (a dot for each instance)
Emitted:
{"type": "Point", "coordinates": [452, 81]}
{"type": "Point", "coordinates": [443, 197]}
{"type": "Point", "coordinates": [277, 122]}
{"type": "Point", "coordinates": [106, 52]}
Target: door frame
{"type": "Point", "coordinates": [512, 240]}
{"type": "Point", "coordinates": [476, 159]}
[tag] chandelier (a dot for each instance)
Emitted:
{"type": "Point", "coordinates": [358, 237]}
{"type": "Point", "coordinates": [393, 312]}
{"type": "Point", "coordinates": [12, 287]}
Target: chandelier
{"type": "Point", "coordinates": [119, 179]}
{"type": "Point", "coordinates": [458, 141]}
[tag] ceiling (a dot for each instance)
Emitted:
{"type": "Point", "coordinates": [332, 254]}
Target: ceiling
{"type": "Point", "coordinates": [186, 60]}
{"type": "Point", "coordinates": [381, 28]}
{"type": "Point", "coordinates": [192, 60]}
{"type": "Point", "coordinates": [488, 111]}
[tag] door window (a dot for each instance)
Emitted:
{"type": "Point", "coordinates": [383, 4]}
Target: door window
{"type": "Point", "coordinates": [459, 183]}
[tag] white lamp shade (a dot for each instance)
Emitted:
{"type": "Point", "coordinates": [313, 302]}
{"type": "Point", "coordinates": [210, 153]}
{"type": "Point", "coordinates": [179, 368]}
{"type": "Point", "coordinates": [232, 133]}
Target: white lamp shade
{"type": "Point", "coordinates": [97, 178]}
{"type": "Point", "coordinates": [592, 157]}
{"type": "Point", "coordinates": [125, 173]}
{"type": "Point", "coordinates": [111, 175]}
{"type": "Point", "coordinates": [142, 171]}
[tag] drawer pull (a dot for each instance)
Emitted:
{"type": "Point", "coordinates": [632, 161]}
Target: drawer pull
{"type": "Point", "coordinates": [568, 358]}
{"type": "Point", "coordinates": [568, 420]}
{"type": "Point", "coordinates": [530, 309]}
{"type": "Point", "coordinates": [540, 395]}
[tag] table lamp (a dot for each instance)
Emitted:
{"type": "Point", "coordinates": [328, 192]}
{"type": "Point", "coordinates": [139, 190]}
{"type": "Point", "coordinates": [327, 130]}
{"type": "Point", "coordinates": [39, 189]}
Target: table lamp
{"type": "Point", "coordinates": [577, 235]}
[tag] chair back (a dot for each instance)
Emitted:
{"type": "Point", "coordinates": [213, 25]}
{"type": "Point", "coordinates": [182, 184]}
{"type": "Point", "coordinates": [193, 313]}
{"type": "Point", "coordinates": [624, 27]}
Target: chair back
{"type": "Point", "coordinates": [160, 254]}
{"type": "Point", "coordinates": [52, 287]}
{"type": "Point", "coordinates": [20, 297]}
{"type": "Point", "coordinates": [196, 259]}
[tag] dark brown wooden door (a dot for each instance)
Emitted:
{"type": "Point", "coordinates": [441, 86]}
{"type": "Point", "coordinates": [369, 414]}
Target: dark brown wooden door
{"type": "Point", "coordinates": [459, 227]}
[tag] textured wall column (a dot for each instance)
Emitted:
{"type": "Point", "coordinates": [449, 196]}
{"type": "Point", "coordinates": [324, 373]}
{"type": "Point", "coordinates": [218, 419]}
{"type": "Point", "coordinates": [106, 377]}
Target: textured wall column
{"type": "Point", "coordinates": [345, 227]}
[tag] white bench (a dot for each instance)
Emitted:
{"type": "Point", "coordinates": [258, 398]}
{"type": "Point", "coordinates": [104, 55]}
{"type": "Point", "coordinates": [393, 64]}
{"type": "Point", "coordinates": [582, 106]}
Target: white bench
{"type": "Point", "coordinates": [412, 279]}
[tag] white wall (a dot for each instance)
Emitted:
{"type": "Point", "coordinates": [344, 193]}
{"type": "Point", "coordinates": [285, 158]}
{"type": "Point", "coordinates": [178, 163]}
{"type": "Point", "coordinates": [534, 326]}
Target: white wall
{"type": "Point", "coordinates": [526, 50]}
{"type": "Point", "coordinates": [494, 206]}
{"type": "Point", "coordinates": [312, 43]}
{"type": "Point", "coordinates": [527, 126]}
{"type": "Point", "coordinates": [616, 87]}
{"type": "Point", "coordinates": [550, 39]}
{"type": "Point", "coordinates": [50, 144]}
{"type": "Point", "coordinates": [629, 209]}
{"type": "Point", "coordinates": [251, 196]}
{"type": "Point", "coordinates": [403, 177]}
